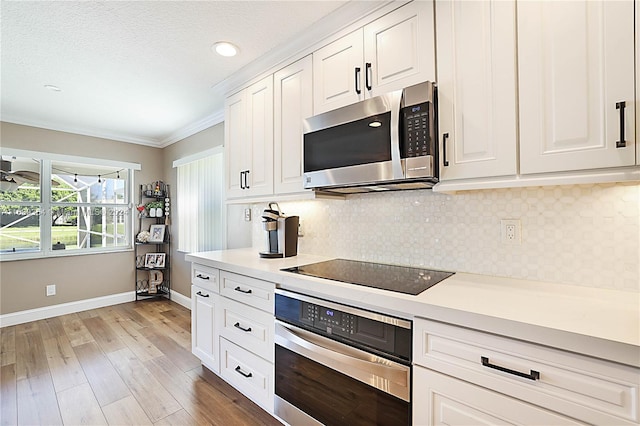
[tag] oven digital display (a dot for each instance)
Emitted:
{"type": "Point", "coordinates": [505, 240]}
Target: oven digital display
{"type": "Point", "coordinates": [329, 313]}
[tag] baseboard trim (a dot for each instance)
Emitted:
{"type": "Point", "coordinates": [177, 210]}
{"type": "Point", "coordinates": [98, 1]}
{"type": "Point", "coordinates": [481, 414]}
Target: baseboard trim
{"type": "Point", "coordinates": [181, 299]}
{"type": "Point", "coordinates": [65, 308]}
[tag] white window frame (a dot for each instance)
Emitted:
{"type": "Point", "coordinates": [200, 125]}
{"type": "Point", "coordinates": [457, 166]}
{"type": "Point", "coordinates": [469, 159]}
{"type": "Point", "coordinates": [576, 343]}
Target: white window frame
{"type": "Point", "coordinates": [46, 204]}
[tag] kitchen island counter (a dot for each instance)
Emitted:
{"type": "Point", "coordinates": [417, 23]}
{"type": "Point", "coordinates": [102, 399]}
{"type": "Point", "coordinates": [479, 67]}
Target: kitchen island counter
{"type": "Point", "coordinates": [602, 323]}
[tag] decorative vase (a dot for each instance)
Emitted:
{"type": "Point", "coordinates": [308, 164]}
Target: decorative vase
{"type": "Point", "coordinates": [152, 212]}
{"type": "Point", "coordinates": [159, 212]}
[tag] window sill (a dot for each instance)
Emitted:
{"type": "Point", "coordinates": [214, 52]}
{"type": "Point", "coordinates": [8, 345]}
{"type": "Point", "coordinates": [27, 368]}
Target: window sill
{"type": "Point", "coordinates": [10, 256]}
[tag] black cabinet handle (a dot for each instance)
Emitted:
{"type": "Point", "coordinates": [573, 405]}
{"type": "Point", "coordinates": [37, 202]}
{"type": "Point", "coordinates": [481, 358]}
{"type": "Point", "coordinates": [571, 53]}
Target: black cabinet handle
{"type": "Point", "coordinates": [242, 180]}
{"type": "Point", "coordinates": [358, 91]}
{"type": "Point", "coordinates": [621, 143]}
{"type": "Point", "coordinates": [367, 73]}
{"type": "Point", "coordinates": [202, 277]}
{"type": "Point", "coordinates": [445, 136]}
{"type": "Point", "coordinates": [247, 375]}
{"type": "Point", "coordinates": [203, 295]}
{"type": "Point", "coordinates": [246, 179]}
{"type": "Point", "coordinates": [237, 325]}
{"type": "Point", "coordinates": [533, 375]}
{"type": "Point", "coordinates": [243, 291]}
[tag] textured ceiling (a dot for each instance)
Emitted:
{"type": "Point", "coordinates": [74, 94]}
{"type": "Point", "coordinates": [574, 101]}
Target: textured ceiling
{"type": "Point", "coordinates": [138, 71]}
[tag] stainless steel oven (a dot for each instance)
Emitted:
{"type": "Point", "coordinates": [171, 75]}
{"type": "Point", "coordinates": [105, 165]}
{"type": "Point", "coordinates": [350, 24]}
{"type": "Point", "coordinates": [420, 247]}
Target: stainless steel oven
{"type": "Point", "coordinates": [337, 365]}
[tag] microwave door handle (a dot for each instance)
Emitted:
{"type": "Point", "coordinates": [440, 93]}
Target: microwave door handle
{"type": "Point", "coordinates": [395, 99]}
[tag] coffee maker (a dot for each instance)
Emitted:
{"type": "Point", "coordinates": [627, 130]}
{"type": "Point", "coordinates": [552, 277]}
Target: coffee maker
{"type": "Point", "coordinates": [281, 238]}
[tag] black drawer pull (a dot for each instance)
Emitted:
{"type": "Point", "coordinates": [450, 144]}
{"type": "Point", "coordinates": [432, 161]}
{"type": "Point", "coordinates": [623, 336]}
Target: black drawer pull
{"type": "Point", "coordinates": [237, 325]}
{"type": "Point", "coordinates": [243, 291]}
{"type": "Point", "coordinates": [445, 162]}
{"type": "Point", "coordinates": [247, 375]}
{"type": "Point", "coordinates": [367, 73]}
{"type": "Point", "coordinates": [202, 277]}
{"type": "Point", "coordinates": [357, 75]}
{"type": "Point", "coordinates": [621, 143]}
{"type": "Point", "coordinates": [203, 295]}
{"type": "Point", "coordinates": [533, 375]}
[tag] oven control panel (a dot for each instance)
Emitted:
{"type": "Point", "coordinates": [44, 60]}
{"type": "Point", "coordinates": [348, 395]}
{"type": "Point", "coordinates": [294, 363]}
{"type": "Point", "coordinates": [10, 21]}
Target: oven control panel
{"type": "Point", "coordinates": [329, 320]}
{"type": "Point", "coordinates": [347, 326]}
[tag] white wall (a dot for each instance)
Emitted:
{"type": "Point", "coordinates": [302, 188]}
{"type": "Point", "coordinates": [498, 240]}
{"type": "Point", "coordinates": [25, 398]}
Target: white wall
{"type": "Point", "coordinates": [586, 235]}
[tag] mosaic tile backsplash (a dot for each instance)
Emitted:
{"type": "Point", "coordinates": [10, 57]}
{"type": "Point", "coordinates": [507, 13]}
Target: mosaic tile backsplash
{"type": "Point", "coordinates": [586, 235]}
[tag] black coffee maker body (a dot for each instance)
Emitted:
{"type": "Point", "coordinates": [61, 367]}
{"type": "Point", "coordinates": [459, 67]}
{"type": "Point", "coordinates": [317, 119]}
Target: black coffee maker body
{"type": "Point", "coordinates": [281, 233]}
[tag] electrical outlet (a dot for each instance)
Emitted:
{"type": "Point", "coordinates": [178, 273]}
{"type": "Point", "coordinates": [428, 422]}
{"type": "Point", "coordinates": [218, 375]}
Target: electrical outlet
{"type": "Point", "coordinates": [51, 290]}
{"type": "Point", "coordinates": [247, 215]}
{"type": "Point", "coordinates": [300, 228]}
{"type": "Point", "coordinates": [511, 230]}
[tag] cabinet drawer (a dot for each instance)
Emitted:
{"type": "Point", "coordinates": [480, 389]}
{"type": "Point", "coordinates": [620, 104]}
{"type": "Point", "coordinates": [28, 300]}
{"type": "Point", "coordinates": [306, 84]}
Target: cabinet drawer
{"type": "Point", "coordinates": [585, 388]}
{"type": "Point", "coordinates": [444, 400]}
{"type": "Point", "coordinates": [205, 277]}
{"type": "Point", "coordinates": [248, 327]}
{"type": "Point", "coordinates": [251, 291]}
{"type": "Point", "coordinates": [250, 374]}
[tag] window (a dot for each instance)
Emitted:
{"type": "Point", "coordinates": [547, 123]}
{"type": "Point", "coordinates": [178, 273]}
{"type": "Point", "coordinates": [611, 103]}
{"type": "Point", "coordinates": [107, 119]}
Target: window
{"type": "Point", "coordinates": [52, 205]}
{"type": "Point", "coordinates": [200, 201]}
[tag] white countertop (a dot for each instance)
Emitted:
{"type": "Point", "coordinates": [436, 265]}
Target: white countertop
{"type": "Point", "coordinates": [597, 322]}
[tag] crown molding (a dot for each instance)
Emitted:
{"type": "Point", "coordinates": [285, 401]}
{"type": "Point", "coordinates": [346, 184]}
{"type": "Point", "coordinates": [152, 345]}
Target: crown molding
{"type": "Point", "coordinates": [211, 120]}
{"type": "Point", "coordinates": [81, 131]}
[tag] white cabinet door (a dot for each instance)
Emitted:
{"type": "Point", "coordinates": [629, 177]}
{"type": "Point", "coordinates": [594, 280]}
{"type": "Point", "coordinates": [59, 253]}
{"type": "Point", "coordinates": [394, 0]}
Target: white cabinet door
{"type": "Point", "coordinates": [399, 49]}
{"type": "Point", "coordinates": [637, 8]}
{"type": "Point", "coordinates": [204, 339]}
{"type": "Point", "coordinates": [338, 73]}
{"type": "Point", "coordinates": [260, 138]}
{"type": "Point", "coordinates": [575, 63]}
{"type": "Point", "coordinates": [443, 400]}
{"type": "Point", "coordinates": [293, 102]}
{"type": "Point", "coordinates": [237, 150]}
{"type": "Point", "coordinates": [476, 88]}
{"type": "Point", "coordinates": [249, 140]}
{"type": "Point", "coordinates": [390, 53]}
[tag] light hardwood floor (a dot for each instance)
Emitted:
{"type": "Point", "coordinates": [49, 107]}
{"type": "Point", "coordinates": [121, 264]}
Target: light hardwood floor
{"type": "Point", "coordinates": [128, 364]}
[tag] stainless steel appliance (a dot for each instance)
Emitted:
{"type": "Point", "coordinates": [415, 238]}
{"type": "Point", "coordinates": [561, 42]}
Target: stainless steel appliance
{"type": "Point", "coordinates": [383, 143]}
{"type": "Point", "coordinates": [401, 279]}
{"type": "Point", "coordinates": [338, 365]}
{"type": "Point", "coordinates": [281, 233]}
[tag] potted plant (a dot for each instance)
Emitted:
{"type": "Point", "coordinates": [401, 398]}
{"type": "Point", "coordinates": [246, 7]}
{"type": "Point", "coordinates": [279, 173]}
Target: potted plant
{"type": "Point", "coordinates": [155, 208]}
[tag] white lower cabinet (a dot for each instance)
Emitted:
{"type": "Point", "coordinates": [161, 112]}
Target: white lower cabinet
{"type": "Point", "coordinates": [247, 372]}
{"type": "Point", "coordinates": [444, 400]}
{"type": "Point", "coordinates": [476, 365]}
{"type": "Point", "coordinates": [232, 329]}
{"type": "Point", "coordinates": [204, 343]}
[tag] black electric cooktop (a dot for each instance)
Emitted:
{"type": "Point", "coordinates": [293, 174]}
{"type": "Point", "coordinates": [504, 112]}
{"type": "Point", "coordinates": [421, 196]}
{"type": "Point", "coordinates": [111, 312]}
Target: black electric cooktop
{"type": "Point", "coordinates": [401, 279]}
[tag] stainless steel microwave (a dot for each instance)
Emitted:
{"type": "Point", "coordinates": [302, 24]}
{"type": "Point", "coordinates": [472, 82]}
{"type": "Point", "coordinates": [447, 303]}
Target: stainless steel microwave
{"type": "Point", "coordinates": [383, 143]}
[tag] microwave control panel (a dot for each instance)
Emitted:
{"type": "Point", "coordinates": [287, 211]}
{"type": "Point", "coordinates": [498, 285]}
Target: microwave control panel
{"type": "Point", "coordinates": [416, 137]}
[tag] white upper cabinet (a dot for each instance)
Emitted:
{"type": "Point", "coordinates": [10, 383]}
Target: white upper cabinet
{"type": "Point", "coordinates": [293, 102]}
{"type": "Point", "coordinates": [576, 67]}
{"type": "Point", "coordinates": [476, 88]}
{"type": "Point", "coordinates": [249, 140]}
{"type": "Point", "coordinates": [337, 70]}
{"type": "Point", "coordinates": [235, 113]}
{"type": "Point", "coordinates": [399, 49]}
{"type": "Point", "coordinates": [392, 52]}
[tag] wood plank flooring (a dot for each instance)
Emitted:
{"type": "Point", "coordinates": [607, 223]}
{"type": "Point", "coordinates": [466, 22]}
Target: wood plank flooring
{"type": "Point", "coordinates": [128, 364]}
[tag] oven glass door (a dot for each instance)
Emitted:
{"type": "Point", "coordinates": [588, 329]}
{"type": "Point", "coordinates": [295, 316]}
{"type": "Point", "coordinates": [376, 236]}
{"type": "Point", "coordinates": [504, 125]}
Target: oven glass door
{"type": "Point", "coordinates": [317, 388]}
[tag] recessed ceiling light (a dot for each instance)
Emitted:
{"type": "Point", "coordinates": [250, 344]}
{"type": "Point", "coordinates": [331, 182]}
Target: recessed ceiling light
{"type": "Point", "coordinates": [224, 48]}
{"type": "Point", "coordinates": [52, 88]}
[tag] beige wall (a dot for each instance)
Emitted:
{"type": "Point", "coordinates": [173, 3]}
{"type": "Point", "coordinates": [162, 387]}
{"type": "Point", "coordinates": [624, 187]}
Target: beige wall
{"type": "Point", "coordinates": [206, 139]}
{"type": "Point", "coordinates": [22, 282]}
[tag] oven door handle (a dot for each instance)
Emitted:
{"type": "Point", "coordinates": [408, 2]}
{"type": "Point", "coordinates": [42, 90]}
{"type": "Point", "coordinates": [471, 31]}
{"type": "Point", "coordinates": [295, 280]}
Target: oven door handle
{"type": "Point", "coordinates": [388, 376]}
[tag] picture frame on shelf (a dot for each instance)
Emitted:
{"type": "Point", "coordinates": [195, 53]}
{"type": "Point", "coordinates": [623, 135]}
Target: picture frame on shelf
{"type": "Point", "coordinates": [154, 260]}
{"type": "Point", "coordinates": [157, 233]}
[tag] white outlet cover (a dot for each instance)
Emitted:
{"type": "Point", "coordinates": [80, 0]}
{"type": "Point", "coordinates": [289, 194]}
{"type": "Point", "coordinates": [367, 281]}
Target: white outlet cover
{"type": "Point", "coordinates": [505, 235]}
{"type": "Point", "coordinates": [51, 290]}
